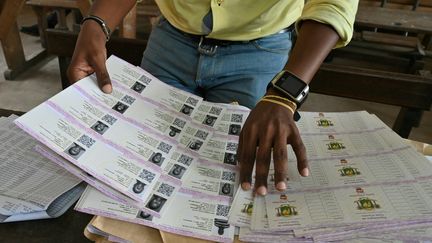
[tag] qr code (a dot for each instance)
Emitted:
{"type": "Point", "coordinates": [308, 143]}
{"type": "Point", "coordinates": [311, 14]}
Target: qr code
{"type": "Point", "coordinates": [109, 119]}
{"type": "Point", "coordinates": [166, 189]}
{"type": "Point", "coordinates": [86, 141]}
{"type": "Point", "coordinates": [146, 80]}
{"type": "Point", "coordinates": [201, 135]}
{"type": "Point", "coordinates": [215, 110]}
{"type": "Point", "coordinates": [191, 101]}
{"type": "Point", "coordinates": [237, 118]}
{"type": "Point", "coordinates": [128, 99]}
{"type": "Point", "coordinates": [164, 147]}
{"type": "Point", "coordinates": [222, 210]}
{"type": "Point", "coordinates": [228, 176]}
{"type": "Point", "coordinates": [179, 123]}
{"type": "Point", "coordinates": [147, 175]}
{"type": "Point", "coordinates": [186, 160]}
{"type": "Point", "coordinates": [231, 147]}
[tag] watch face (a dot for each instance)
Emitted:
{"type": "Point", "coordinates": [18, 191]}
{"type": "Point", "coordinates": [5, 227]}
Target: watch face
{"type": "Point", "coordinates": [291, 84]}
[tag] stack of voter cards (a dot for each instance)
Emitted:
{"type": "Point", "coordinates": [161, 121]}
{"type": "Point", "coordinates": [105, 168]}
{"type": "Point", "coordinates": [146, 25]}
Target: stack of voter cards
{"type": "Point", "coordinates": [365, 183]}
{"type": "Point", "coordinates": [152, 154]}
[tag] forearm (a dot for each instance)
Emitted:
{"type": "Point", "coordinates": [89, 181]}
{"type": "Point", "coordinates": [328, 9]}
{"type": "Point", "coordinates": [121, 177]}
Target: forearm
{"type": "Point", "coordinates": [314, 42]}
{"type": "Point", "coordinates": [112, 11]}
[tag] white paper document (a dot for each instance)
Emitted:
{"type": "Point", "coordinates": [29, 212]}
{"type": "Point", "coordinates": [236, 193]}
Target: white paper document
{"type": "Point", "coordinates": [31, 186]}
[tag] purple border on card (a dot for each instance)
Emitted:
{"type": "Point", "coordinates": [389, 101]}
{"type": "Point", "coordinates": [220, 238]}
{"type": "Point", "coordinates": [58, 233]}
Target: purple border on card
{"type": "Point", "coordinates": [372, 230]}
{"type": "Point", "coordinates": [196, 194]}
{"type": "Point", "coordinates": [171, 179]}
{"type": "Point", "coordinates": [359, 155]}
{"type": "Point", "coordinates": [367, 130]}
{"type": "Point", "coordinates": [122, 117]}
{"type": "Point", "coordinates": [148, 100]}
{"type": "Point", "coordinates": [90, 180]}
{"type": "Point", "coordinates": [214, 163]}
{"type": "Point", "coordinates": [87, 130]}
{"type": "Point", "coordinates": [73, 161]}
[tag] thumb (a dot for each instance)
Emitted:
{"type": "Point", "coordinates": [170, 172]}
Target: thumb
{"type": "Point", "coordinates": [102, 75]}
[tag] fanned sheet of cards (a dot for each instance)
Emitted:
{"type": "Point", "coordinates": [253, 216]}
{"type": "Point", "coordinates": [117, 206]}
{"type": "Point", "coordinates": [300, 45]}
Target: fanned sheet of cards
{"type": "Point", "coordinates": [158, 156]}
{"type": "Point", "coordinates": [365, 183]}
{"type": "Point", "coordinates": [151, 153]}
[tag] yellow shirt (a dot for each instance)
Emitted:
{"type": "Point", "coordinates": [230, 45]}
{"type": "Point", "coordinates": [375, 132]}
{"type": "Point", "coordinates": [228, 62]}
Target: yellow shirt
{"type": "Point", "coordinates": [252, 19]}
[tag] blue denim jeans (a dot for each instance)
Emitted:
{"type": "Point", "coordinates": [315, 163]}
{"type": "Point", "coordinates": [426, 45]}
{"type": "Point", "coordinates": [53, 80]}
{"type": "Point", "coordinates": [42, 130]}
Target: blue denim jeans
{"type": "Point", "coordinates": [238, 72]}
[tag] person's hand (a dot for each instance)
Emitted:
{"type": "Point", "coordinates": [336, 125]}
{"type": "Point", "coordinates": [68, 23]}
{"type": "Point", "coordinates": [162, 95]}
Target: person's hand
{"type": "Point", "coordinates": [269, 127]}
{"type": "Point", "coordinates": [90, 56]}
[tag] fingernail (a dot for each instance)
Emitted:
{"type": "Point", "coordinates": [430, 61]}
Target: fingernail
{"type": "Point", "coordinates": [107, 88]}
{"type": "Point", "coordinates": [305, 172]}
{"type": "Point", "coordinates": [262, 190]}
{"type": "Point", "coordinates": [246, 186]}
{"type": "Point", "coordinates": [281, 186]}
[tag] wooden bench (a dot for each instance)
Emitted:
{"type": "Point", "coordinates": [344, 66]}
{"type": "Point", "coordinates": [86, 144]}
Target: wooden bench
{"type": "Point", "coordinates": [412, 92]}
{"type": "Point", "coordinates": [43, 7]}
{"type": "Point", "coordinates": [417, 24]}
{"type": "Point", "coordinates": [11, 41]}
{"type": "Point", "coordinates": [388, 52]}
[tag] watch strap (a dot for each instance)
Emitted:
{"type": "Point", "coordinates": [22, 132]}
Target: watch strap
{"type": "Point", "coordinates": [296, 115]}
{"type": "Point", "coordinates": [102, 24]}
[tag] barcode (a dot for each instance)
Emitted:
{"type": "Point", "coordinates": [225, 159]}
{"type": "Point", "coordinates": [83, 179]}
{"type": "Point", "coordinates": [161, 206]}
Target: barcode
{"type": "Point", "coordinates": [222, 210]}
{"type": "Point", "coordinates": [166, 189]}
{"type": "Point", "coordinates": [228, 176]}
{"type": "Point", "coordinates": [231, 147]}
{"type": "Point", "coordinates": [215, 110]}
{"type": "Point", "coordinates": [109, 119]}
{"type": "Point", "coordinates": [191, 101]}
{"type": "Point", "coordinates": [128, 99]}
{"type": "Point", "coordinates": [179, 123]}
{"type": "Point", "coordinates": [186, 160]}
{"type": "Point", "coordinates": [164, 147]}
{"type": "Point", "coordinates": [86, 141]}
{"type": "Point", "coordinates": [147, 175]}
{"type": "Point", "coordinates": [146, 80]}
{"type": "Point", "coordinates": [237, 118]}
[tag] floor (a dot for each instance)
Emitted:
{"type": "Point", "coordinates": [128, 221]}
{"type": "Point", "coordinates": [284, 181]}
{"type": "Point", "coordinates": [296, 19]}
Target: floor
{"type": "Point", "coordinates": [43, 81]}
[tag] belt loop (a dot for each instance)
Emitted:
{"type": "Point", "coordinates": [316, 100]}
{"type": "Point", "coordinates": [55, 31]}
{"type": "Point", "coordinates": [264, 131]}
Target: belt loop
{"type": "Point", "coordinates": [206, 49]}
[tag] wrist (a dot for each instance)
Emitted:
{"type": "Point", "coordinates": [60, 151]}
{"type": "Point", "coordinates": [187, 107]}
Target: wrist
{"type": "Point", "coordinates": [93, 29]}
{"type": "Point", "coordinates": [100, 23]}
{"type": "Point", "coordinates": [282, 99]}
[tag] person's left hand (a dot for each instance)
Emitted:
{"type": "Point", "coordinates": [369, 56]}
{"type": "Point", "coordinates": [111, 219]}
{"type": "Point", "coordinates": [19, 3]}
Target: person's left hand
{"type": "Point", "coordinates": [269, 127]}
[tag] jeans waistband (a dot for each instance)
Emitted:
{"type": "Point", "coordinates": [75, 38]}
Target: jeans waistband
{"type": "Point", "coordinates": [215, 42]}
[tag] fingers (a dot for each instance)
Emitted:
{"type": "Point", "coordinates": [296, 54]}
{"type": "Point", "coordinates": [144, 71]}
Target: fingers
{"type": "Point", "coordinates": [75, 73]}
{"type": "Point", "coordinates": [90, 56]}
{"type": "Point", "coordinates": [300, 152]}
{"type": "Point", "coordinates": [246, 157]}
{"type": "Point", "coordinates": [280, 160]}
{"type": "Point", "coordinates": [263, 163]}
{"type": "Point", "coordinates": [102, 75]}
{"type": "Point", "coordinates": [245, 182]}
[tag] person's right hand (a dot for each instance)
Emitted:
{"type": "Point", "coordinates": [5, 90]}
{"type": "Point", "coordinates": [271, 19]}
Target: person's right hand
{"type": "Point", "coordinates": [90, 56]}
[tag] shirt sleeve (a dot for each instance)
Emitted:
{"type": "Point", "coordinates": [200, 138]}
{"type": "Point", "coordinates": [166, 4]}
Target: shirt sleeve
{"type": "Point", "coordinates": [340, 14]}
